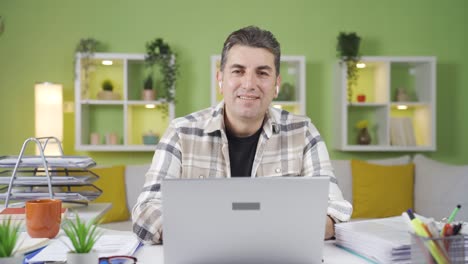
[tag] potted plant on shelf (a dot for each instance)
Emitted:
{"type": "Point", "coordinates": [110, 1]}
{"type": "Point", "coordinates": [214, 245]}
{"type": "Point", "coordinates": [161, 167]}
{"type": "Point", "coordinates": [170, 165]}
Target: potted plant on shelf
{"type": "Point", "coordinates": [159, 53]}
{"type": "Point", "coordinates": [348, 52]}
{"type": "Point", "coordinates": [363, 137]}
{"type": "Point", "coordinates": [83, 236]}
{"type": "Point", "coordinates": [148, 94]}
{"type": "Point", "coordinates": [107, 92]}
{"type": "Point", "coordinates": [9, 233]}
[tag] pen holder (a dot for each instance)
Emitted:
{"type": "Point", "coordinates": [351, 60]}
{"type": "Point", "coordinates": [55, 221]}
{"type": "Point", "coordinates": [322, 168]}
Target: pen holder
{"type": "Point", "coordinates": [450, 249]}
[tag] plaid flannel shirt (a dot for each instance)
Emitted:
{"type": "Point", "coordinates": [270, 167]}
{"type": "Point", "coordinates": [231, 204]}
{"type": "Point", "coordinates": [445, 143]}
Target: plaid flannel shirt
{"type": "Point", "coordinates": [196, 146]}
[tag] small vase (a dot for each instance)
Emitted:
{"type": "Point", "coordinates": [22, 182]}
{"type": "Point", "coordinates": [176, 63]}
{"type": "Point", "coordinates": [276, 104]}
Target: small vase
{"type": "Point", "coordinates": [81, 258]}
{"type": "Point", "coordinates": [148, 95]}
{"type": "Point", "coordinates": [12, 260]}
{"type": "Point", "coordinates": [363, 137]}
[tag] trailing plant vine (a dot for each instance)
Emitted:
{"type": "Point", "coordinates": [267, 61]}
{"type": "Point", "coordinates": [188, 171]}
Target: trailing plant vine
{"type": "Point", "coordinates": [87, 47]}
{"type": "Point", "coordinates": [348, 52]}
{"type": "Point", "coordinates": [160, 53]}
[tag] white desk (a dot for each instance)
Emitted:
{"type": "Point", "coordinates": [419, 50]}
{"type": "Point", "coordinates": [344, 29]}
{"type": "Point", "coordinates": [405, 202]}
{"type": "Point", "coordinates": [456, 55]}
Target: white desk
{"type": "Point", "coordinates": [331, 254]}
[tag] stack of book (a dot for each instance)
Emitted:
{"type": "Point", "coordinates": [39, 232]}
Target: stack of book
{"type": "Point", "coordinates": [402, 132]}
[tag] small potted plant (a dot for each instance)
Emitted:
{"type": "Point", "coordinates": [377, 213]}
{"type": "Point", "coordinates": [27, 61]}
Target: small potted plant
{"type": "Point", "coordinates": [107, 92]}
{"type": "Point", "coordinates": [8, 237]}
{"type": "Point", "coordinates": [148, 94]}
{"type": "Point", "coordinates": [83, 236]}
{"type": "Point", "coordinates": [363, 137]}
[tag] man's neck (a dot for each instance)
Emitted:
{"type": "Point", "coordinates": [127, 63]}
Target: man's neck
{"type": "Point", "coordinates": [242, 128]}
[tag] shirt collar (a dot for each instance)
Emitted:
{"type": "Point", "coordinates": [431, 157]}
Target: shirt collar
{"type": "Point", "coordinates": [270, 124]}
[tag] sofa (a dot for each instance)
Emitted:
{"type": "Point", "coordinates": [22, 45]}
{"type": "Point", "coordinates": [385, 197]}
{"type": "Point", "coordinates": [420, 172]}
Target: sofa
{"type": "Point", "coordinates": [433, 188]}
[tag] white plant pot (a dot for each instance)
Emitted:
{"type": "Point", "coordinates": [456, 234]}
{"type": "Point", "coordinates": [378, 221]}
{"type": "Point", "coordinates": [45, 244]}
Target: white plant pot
{"type": "Point", "coordinates": [12, 260]}
{"type": "Point", "coordinates": [81, 258]}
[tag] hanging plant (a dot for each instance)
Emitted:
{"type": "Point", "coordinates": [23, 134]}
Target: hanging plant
{"type": "Point", "coordinates": [348, 52]}
{"type": "Point", "coordinates": [159, 53]}
{"type": "Point", "coordinates": [87, 47]}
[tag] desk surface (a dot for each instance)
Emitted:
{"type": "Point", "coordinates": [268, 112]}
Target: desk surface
{"type": "Point", "coordinates": [331, 254]}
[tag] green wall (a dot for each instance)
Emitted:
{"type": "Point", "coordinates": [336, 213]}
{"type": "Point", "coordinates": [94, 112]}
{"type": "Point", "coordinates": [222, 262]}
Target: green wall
{"type": "Point", "coordinates": [40, 37]}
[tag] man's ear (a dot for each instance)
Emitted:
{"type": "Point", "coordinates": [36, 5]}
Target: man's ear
{"type": "Point", "coordinates": [219, 78]}
{"type": "Point", "coordinates": [278, 84]}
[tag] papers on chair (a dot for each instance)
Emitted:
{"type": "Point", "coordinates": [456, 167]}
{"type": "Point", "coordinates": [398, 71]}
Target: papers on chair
{"type": "Point", "coordinates": [384, 240]}
{"type": "Point", "coordinates": [107, 245]}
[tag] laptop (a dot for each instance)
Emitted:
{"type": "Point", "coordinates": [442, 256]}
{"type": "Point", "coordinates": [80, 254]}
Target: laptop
{"type": "Point", "coordinates": [244, 220]}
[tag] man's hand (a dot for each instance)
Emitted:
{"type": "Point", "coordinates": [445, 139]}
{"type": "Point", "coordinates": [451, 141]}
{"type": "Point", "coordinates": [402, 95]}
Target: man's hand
{"type": "Point", "coordinates": [330, 228]}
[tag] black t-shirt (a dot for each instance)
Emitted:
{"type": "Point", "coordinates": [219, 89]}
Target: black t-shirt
{"type": "Point", "coordinates": [242, 153]}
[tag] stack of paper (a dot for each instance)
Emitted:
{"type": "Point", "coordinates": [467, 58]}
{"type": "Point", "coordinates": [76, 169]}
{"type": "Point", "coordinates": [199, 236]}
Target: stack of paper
{"type": "Point", "coordinates": [106, 246]}
{"type": "Point", "coordinates": [402, 132]}
{"type": "Point", "coordinates": [384, 240]}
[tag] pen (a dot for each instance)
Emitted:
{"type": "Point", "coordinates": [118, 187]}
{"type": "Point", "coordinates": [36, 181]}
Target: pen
{"type": "Point", "coordinates": [419, 229]}
{"type": "Point", "coordinates": [454, 213]}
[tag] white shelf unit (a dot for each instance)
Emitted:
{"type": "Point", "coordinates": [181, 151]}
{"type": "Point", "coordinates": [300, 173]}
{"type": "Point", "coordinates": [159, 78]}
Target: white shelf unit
{"type": "Point", "coordinates": [292, 94]}
{"type": "Point", "coordinates": [391, 129]}
{"type": "Point", "coordinates": [128, 118]}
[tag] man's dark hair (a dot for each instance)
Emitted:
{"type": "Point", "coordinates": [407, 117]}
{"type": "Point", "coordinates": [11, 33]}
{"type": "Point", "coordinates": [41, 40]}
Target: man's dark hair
{"type": "Point", "coordinates": [256, 37]}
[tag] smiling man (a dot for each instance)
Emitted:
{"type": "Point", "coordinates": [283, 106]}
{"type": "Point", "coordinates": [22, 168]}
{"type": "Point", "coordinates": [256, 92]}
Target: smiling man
{"type": "Point", "coordinates": [243, 136]}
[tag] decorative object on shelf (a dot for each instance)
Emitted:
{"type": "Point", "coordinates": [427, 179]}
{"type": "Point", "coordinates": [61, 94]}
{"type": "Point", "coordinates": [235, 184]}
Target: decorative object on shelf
{"type": "Point", "coordinates": [148, 94]}
{"type": "Point", "coordinates": [361, 98]}
{"type": "Point", "coordinates": [159, 52]}
{"type": "Point", "coordinates": [83, 235]}
{"type": "Point", "coordinates": [87, 47]}
{"type": "Point", "coordinates": [287, 92]}
{"type": "Point", "coordinates": [9, 233]}
{"type": "Point", "coordinates": [150, 138]}
{"type": "Point", "coordinates": [107, 92]}
{"type": "Point", "coordinates": [348, 52]}
{"type": "Point", "coordinates": [402, 95]}
{"type": "Point", "coordinates": [363, 137]}
{"type": "Point", "coordinates": [111, 138]}
{"type": "Point", "coordinates": [95, 138]}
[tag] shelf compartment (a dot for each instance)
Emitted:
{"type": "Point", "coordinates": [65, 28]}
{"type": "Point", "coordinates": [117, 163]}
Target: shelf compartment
{"type": "Point", "coordinates": [97, 73]}
{"type": "Point", "coordinates": [142, 120]}
{"type": "Point", "coordinates": [377, 120]}
{"type": "Point", "coordinates": [137, 73]}
{"type": "Point", "coordinates": [412, 126]}
{"type": "Point", "coordinates": [414, 78]}
{"type": "Point", "coordinates": [372, 81]}
{"type": "Point", "coordinates": [101, 119]}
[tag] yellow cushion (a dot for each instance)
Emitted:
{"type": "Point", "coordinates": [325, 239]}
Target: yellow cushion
{"type": "Point", "coordinates": [381, 191]}
{"type": "Point", "coordinates": [112, 183]}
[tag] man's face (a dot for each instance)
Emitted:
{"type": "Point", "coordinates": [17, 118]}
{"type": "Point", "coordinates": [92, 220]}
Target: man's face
{"type": "Point", "coordinates": [248, 83]}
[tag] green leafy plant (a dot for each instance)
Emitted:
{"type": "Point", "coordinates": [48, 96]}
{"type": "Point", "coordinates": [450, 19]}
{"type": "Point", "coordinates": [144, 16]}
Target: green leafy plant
{"type": "Point", "coordinates": [148, 84]}
{"type": "Point", "coordinates": [8, 237]}
{"type": "Point", "coordinates": [107, 85]}
{"type": "Point", "coordinates": [83, 235]}
{"type": "Point", "coordinates": [348, 52]}
{"type": "Point", "coordinates": [159, 53]}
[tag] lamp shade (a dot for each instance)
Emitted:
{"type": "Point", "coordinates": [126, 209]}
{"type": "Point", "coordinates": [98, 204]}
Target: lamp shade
{"type": "Point", "coordinates": [49, 114]}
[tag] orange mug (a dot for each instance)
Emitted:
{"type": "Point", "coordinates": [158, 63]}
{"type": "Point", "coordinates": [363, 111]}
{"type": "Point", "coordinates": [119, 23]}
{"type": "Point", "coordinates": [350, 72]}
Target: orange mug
{"type": "Point", "coordinates": [43, 217]}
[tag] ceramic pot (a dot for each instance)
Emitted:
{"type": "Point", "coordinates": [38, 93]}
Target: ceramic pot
{"type": "Point", "coordinates": [81, 258]}
{"type": "Point", "coordinates": [12, 260]}
{"type": "Point", "coordinates": [363, 137]}
{"type": "Point", "coordinates": [108, 95]}
{"type": "Point", "coordinates": [148, 95]}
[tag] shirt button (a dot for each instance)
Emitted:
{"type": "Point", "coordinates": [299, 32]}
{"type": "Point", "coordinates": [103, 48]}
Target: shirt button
{"type": "Point", "coordinates": [278, 170]}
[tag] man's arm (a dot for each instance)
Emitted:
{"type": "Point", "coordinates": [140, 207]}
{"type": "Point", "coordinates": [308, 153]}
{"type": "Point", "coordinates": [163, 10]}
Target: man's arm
{"type": "Point", "coordinates": [147, 214]}
{"type": "Point", "coordinates": [317, 163]}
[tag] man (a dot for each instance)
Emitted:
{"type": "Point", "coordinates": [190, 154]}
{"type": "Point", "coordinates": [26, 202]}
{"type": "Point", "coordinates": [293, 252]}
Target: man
{"type": "Point", "coordinates": [242, 136]}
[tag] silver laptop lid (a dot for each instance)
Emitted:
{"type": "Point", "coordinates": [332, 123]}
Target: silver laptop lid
{"type": "Point", "coordinates": [244, 220]}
